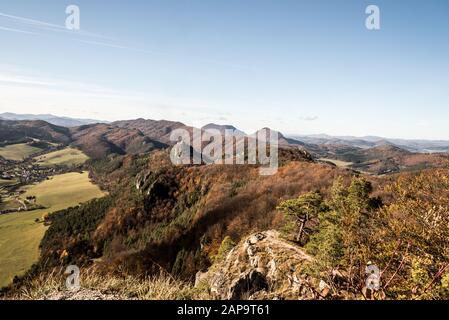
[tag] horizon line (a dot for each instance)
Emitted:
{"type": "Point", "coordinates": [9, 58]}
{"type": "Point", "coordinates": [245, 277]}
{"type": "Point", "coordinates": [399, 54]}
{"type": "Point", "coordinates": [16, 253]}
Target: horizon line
{"type": "Point", "coordinates": [287, 135]}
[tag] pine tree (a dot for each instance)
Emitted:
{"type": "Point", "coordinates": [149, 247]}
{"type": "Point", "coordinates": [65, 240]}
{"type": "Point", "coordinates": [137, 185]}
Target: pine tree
{"type": "Point", "coordinates": [299, 211]}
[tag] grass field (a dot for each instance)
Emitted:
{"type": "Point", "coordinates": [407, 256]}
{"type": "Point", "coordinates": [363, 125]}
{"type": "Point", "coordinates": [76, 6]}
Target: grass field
{"type": "Point", "coordinates": [18, 151]}
{"type": "Point", "coordinates": [338, 163]}
{"type": "Point", "coordinates": [20, 235]}
{"type": "Point", "coordinates": [68, 157]}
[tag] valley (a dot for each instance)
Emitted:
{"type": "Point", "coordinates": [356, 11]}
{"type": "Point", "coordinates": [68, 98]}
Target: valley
{"type": "Point", "coordinates": [36, 182]}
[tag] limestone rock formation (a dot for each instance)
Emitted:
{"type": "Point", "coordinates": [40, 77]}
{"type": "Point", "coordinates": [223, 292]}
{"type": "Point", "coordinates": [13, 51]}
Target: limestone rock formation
{"type": "Point", "coordinates": [262, 266]}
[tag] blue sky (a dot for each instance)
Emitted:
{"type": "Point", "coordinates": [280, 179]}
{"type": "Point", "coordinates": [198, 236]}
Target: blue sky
{"type": "Point", "coordinates": [297, 66]}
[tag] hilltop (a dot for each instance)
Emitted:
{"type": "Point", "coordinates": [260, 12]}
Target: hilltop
{"type": "Point", "coordinates": [20, 131]}
{"type": "Point", "coordinates": [101, 140]}
{"type": "Point", "coordinates": [223, 128]}
{"type": "Point", "coordinates": [158, 130]}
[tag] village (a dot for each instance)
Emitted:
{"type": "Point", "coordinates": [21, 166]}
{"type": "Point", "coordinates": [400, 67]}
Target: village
{"type": "Point", "coordinates": [25, 172]}
{"type": "Point", "coordinates": [14, 175]}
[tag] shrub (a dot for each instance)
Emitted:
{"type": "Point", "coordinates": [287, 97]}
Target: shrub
{"type": "Point", "coordinates": [226, 246]}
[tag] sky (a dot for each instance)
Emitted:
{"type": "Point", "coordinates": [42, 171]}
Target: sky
{"type": "Point", "coordinates": [300, 67]}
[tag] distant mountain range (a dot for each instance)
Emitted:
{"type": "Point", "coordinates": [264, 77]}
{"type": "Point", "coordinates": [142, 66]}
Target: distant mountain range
{"type": "Point", "coordinates": [422, 146]}
{"type": "Point", "coordinates": [372, 155]}
{"type": "Point", "coordinates": [375, 155]}
{"type": "Point", "coordinates": [52, 119]}
{"type": "Point", "coordinates": [160, 130]}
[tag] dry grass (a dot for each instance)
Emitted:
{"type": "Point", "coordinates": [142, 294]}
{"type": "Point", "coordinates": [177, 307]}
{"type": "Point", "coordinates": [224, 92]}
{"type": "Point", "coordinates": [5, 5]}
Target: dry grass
{"type": "Point", "coordinates": [161, 287]}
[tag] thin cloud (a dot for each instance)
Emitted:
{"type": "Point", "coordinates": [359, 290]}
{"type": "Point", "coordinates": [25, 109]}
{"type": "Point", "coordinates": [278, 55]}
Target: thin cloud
{"type": "Point", "coordinates": [123, 47]}
{"type": "Point", "coordinates": [110, 45]}
{"type": "Point", "coordinates": [43, 25]}
{"type": "Point", "coordinates": [12, 80]}
{"type": "Point", "coordinates": [30, 21]}
{"type": "Point", "coordinates": [17, 30]}
{"type": "Point", "coordinates": [313, 118]}
{"type": "Point", "coordinates": [29, 81]}
{"type": "Point", "coordinates": [49, 26]}
{"type": "Point", "coordinates": [22, 90]}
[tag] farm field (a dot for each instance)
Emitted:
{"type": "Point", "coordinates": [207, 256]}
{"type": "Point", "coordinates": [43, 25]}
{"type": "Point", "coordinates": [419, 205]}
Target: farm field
{"type": "Point", "coordinates": [20, 235]}
{"type": "Point", "coordinates": [67, 157]}
{"type": "Point", "coordinates": [18, 151]}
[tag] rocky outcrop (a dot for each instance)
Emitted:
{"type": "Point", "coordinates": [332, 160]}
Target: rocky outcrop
{"type": "Point", "coordinates": [262, 266]}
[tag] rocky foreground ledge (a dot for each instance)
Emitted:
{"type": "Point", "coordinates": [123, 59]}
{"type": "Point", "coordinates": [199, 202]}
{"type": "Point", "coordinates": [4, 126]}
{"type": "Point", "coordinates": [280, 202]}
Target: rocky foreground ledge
{"type": "Point", "coordinates": [263, 266]}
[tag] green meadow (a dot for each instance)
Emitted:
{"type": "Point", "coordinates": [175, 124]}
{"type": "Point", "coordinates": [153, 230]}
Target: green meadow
{"type": "Point", "coordinates": [18, 151]}
{"type": "Point", "coordinates": [20, 234]}
{"type": "Point", "coordinates": [67, 157]}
